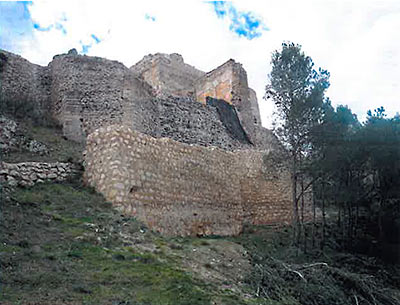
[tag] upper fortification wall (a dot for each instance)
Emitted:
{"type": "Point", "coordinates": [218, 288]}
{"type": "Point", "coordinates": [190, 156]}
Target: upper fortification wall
{"type": "Point", "coordinates": [187, 121]}
{"type": "Point", "coordinates": [85, 93]}
{"type": "Point", "coordinates": [90, 92]}
{"type": "Point", "coordinates": [229, 82]}
{"type": "Point", "coordinates": [24, 82]}
{"type": "Point", "coordinates": [168, 74]}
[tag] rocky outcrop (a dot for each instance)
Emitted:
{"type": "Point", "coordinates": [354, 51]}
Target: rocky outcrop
{"type": "Point", "coordinates": [11, 139]}
{"type": "Point", "coordinates": [8, 129]}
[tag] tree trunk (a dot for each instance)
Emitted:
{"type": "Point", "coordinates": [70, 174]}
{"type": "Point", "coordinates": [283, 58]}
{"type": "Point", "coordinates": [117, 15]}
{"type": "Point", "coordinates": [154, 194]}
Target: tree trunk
{"type": "Point", "coordinates": [303, 228]}
{"type": "Point", "coordinates": [323, 217]}
{"type": "Point", "coordinates": [380, 224]}
{"type": "Point", "coordinates": [314, 225]}
{"type": "Point", "coordinates": [344, 227]}
{"type": "Point", "coordinates": [296, 223]}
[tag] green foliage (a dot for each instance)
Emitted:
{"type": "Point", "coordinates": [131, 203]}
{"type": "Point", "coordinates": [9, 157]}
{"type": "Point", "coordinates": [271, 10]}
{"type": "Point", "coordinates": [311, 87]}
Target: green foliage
{"type": "Point", "coordinates": [357, 166]}
{"type": "Point", "coordinates": [297, 91]}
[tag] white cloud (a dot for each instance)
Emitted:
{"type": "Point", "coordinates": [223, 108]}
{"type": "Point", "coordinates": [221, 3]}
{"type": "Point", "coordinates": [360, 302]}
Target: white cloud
{"type": "Point", "coordinates": [355, 40]}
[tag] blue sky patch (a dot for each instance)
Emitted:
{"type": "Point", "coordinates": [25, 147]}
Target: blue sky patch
{"type": "Point", "coordinates": [58, 26]}
{"type": "Point", "coordinates": [15, 24]}
{"type": "Point", "coordinates": [37, 26]}
{"type": "Point", "coordinates": [150, 17]}
{"type": "Point", "coordinates": [244, 24]}
{"type": "Point", "coordinates": [95, 38]}
{"type": "Point", "coordinates": [61, 28]}
{"type": "Point", "coordinates": [219, 8]}
{"type": "Point", "coordinates": [85, 48]}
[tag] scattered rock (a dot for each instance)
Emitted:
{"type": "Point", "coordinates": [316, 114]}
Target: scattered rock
{"type": "Point", "coordinates": [8, 130]}
{"type": "Point", "coordinates": [36, 147]}
{"type": "Point", "coordinates": [36, 249]}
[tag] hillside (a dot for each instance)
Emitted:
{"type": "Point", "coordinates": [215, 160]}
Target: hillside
{"type": "Point", "coordinates": [62, 243]}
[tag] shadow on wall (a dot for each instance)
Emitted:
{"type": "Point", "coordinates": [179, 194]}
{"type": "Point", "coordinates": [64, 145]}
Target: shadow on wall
{"type": "Point", "coordinates": [229, 118]}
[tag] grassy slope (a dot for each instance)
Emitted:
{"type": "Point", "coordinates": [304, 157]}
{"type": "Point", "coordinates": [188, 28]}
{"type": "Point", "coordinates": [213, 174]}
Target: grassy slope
{"type": "Point", "coordinates": [63, 244]}
{"type": "Point", "coordinates": [60, 149]}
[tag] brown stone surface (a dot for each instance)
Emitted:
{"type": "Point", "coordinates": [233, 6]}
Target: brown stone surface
{"type": "Point", "coordinates": [254, 107]}
{"type": "Point", "coordinates": [229, 82]}
{"type": "Point", "coordinates": [216, 83]}
{"type": "Point", "coordinates": [181, 189]}
{"type": "Point", "coordinates": [168, 74]}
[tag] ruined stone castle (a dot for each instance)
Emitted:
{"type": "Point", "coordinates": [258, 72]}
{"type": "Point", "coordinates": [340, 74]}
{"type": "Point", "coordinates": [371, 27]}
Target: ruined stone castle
{"type": "Point", "coordinates": [181, 149]}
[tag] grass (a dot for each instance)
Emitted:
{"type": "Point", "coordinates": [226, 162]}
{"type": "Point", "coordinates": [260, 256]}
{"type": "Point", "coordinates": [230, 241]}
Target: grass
{"type": "Point", "coordinates": [62, 245]}
{"type": "Point", "coordinates": [60, 149]}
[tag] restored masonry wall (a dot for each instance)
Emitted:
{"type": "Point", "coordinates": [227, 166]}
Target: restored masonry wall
{"type": "Point", "coordinates": [181, 189]}
{"type": "Point", "coordinates": [30, 173]}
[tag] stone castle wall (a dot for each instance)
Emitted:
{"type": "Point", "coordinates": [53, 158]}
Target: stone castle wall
{"type": "Point", "coordinates": [217, 83]}
{"type": "Point", "coordinates": [181, 189]}
{"type": "Point", "coordinates": [24, 82]}
{"type": "Point", "coordinates": [85, 93]}
{"type": "Point", "coordinates": [182, 183]}
{"type": "Point", "coordinates": [229, 82]}
{"type": "Point", "coordinates": [168, 74]}
{"type": "Point", "coordinates": [255, 110]}
{"type": "Point", "coordinates": [89, 92]}
{"type": "Point", "coordinates": [187, 121]}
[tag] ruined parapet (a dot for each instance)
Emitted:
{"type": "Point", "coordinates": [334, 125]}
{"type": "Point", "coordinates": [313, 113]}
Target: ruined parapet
{"type": "Point", "coordinates": [217, 83]}
{"type": "Point", "coordinates": [229, 82]}
{"type": "Point", "coordinates": [180, 189]}
{"type": "Point", "coordinates": [168, 74]}
{"type": "Point", "coordinates": [23, 82]}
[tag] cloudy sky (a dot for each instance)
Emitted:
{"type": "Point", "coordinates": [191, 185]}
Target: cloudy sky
{"type": "Point", "coordinates": [358, 42]}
